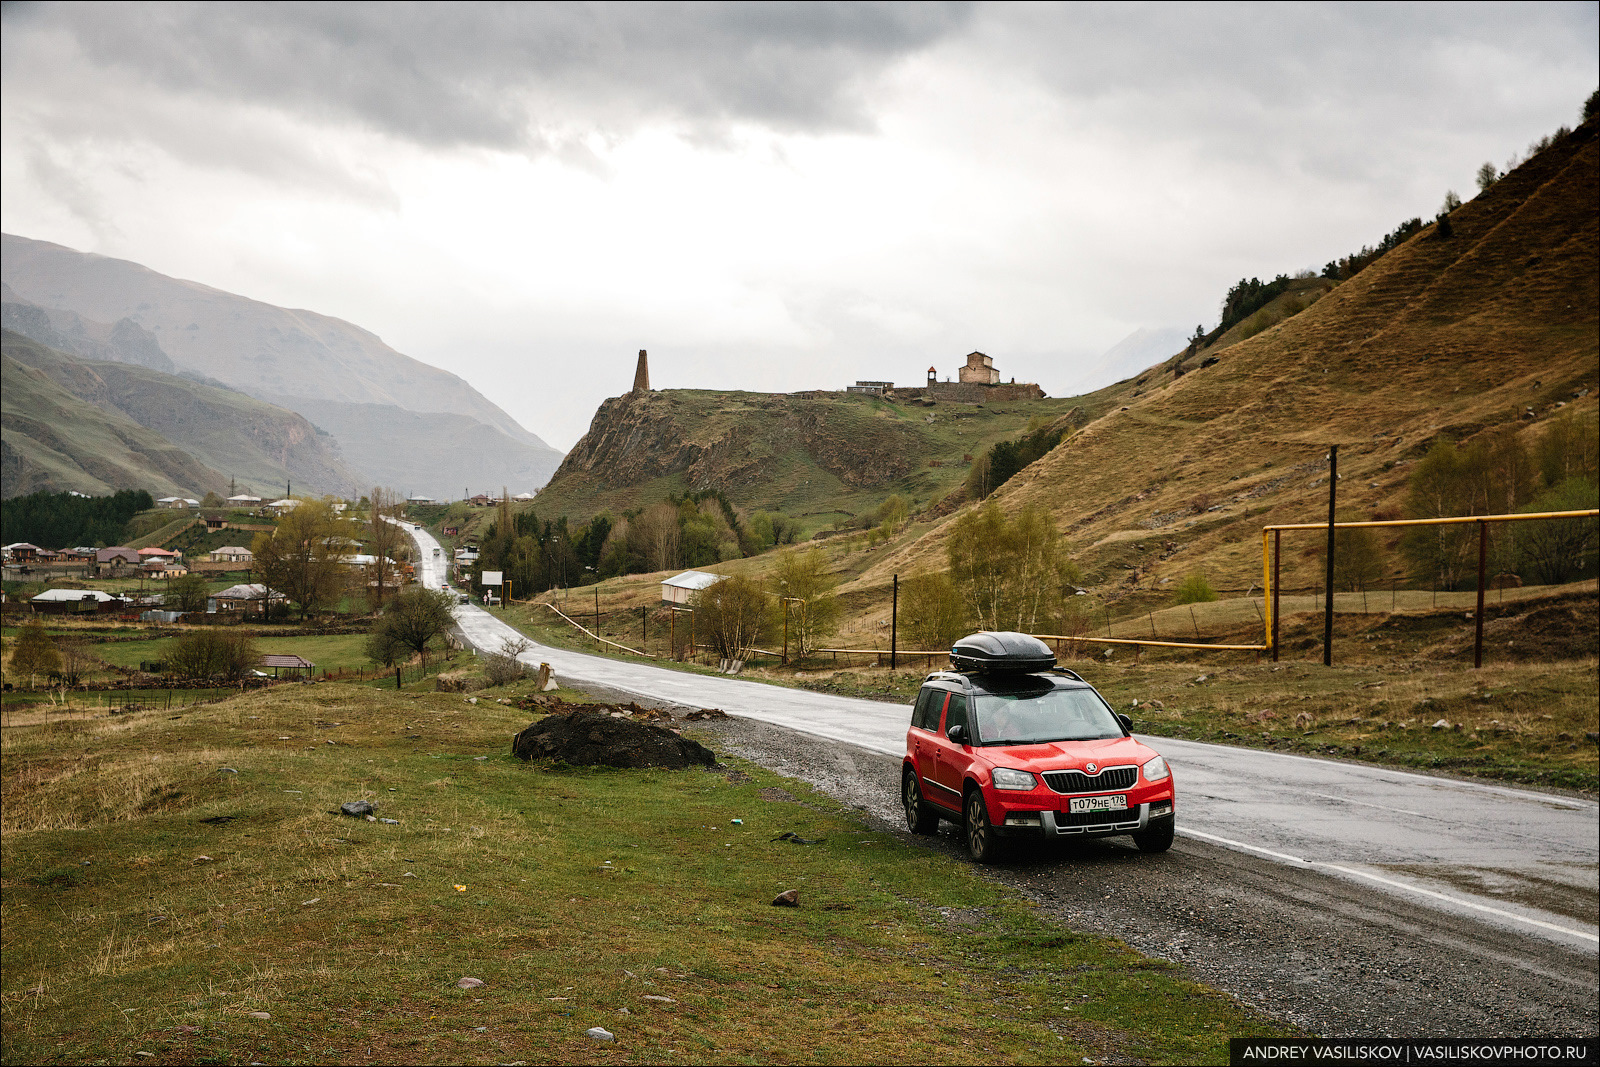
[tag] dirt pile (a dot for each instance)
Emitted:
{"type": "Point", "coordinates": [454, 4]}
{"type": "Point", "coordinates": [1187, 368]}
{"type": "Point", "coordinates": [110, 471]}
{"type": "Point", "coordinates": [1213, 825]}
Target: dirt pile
{"type": "Point", "coordinates": [607, 737]}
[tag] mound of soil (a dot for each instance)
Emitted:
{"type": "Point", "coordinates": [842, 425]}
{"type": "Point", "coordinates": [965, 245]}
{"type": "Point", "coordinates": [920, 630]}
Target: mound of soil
{"type": "Point", "coordinates": [589, 738]}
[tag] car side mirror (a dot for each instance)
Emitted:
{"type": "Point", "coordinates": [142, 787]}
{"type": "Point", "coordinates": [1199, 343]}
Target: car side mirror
{"type": "Point", "coordinates": [957, 734]}
{"type": "Point", "coordinates": [1127, 723]}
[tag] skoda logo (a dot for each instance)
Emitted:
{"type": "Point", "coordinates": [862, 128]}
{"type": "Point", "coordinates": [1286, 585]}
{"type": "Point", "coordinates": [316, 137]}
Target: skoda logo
{"type": "Point", "coordinates": [1092, 767]}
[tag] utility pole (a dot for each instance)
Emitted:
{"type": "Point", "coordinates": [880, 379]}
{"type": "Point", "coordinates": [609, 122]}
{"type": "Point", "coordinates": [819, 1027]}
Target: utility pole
{"type": "Point", "coordinates": [894, 627]}
{"type": "Point", "coordinates": [1327, 613]}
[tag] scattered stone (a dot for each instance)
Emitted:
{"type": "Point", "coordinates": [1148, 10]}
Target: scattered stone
{"type": "Point", "coordinates": [472, 700]}
{"type": "Point", "coordinates": [701, 714]}
{"type": "Point", "coordinates": [1442, 724]}
{"type": "Point", "coordinates": [480, 1029]}
{"type": "Point", "coordinates": [600, 1033]}
{"type": "Point", "coordinates": [658, 998]}
{"type": "Point", "coordinates": [789, 898]}
{"type": "Point", "coordinates": [590, 738]}
{"type": "Point", "coordinates": [202, 859]}
{"type": "Point", "coordinates": [260, 1015]}
{"type": "Point", "coordinates": [356, 809]}
{"type": "Point", "coordinates": [469, 983]}
{"type": "Point", "coordinates": [390, 822]}
{"type": "Point", "coordinates": [624, 1011]}
{"type": "Point", "coordinates": [1155, 704]}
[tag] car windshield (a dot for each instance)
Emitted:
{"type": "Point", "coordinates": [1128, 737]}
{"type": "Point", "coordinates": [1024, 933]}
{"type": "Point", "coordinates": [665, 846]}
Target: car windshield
{"type": "Point", "coordinates": [1035, 715]}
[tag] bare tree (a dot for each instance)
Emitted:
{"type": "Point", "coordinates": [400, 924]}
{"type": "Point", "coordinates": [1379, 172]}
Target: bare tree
{"type": "Point", "coordinates": [304, 557]}
{"type": "Point", "coordinates": [383, 538]}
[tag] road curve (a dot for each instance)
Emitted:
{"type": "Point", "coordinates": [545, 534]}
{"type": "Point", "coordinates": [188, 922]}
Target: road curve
{"type": "Point", "coordinates": [1523, 861]}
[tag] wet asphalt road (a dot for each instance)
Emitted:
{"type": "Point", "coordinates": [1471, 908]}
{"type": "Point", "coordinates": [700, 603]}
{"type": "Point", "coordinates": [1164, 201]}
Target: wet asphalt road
{"type": "Point", "coordinates": [1350, 900]}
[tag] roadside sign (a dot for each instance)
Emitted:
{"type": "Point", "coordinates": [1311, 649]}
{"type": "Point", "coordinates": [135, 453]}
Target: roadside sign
{"type": "Point", "coordinates": [490, 578]}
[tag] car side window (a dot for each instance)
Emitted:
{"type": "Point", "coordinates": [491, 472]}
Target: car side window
{"type": "Point", "coordinates": [930, 702]}
{"type": "Point", "coordinates": [956, 715]}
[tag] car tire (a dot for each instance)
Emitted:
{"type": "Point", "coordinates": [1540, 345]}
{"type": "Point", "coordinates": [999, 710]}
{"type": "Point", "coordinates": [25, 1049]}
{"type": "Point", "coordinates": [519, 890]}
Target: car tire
{"type": "Point", "coordinates": [1157, 838]}
{"type": "Point", "coordinates": [983, 844]}
{"type": "Point", "coordinates": [920, 818]}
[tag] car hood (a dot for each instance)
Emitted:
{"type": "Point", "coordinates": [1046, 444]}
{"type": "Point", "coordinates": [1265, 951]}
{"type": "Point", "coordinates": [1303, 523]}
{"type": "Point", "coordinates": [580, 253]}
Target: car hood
{"type": "Point", "coordinates": [1069, 755]}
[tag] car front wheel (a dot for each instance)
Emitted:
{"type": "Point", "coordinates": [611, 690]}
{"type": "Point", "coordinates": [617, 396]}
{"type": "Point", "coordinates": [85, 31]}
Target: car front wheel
{"type": "Point", "coordinates": [1156, 839]}
{"type": "Point", "coordinates": [920, 819]}
{"type": "Point", "coordinates": [983, 844]}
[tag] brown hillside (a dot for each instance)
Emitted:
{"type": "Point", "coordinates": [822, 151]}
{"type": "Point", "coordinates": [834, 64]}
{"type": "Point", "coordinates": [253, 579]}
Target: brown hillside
{"type": "Point", "coordinates": [1496, 325]}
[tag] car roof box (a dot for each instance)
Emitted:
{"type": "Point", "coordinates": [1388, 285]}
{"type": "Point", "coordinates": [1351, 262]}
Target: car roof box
{"type": "Point", "coordinates": [991, 650]}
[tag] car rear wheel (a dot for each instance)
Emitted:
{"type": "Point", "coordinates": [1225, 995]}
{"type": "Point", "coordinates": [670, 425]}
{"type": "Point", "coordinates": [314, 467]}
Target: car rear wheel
{"type": "Point", "coordinates": [983, 844]}
{"type": "Point", "coordinates": [920, 819]}
{"type": "Point", "coordinates": [1156, 839]}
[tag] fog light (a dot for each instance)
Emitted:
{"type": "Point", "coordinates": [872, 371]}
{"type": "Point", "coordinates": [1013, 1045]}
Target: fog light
{"type": "Point", "coordinates": [1161, 807]}
{"type": "Point", "coordinates": [1027, 818]}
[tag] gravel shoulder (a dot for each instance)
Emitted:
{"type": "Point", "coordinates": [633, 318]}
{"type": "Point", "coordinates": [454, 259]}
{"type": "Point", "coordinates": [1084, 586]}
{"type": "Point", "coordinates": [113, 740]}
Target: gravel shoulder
{"type": "Point", "coordinates": [1328, 956]}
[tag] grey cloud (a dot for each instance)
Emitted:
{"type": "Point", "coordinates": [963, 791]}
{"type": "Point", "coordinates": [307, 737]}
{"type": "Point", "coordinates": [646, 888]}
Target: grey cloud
{"type": "Point", "coordinates": [504, 75]}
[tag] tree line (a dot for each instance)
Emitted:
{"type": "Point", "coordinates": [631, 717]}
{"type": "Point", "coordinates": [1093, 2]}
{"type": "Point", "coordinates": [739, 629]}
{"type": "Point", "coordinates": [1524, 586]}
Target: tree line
{"type": "Point", "coordinates": [66, 520]}
{"type": "Point", "coordinates": [696, 529]}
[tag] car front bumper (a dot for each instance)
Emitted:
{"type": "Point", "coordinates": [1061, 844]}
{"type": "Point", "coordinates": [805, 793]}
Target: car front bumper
{"type": "Point", "coordinates": [1057, 823]}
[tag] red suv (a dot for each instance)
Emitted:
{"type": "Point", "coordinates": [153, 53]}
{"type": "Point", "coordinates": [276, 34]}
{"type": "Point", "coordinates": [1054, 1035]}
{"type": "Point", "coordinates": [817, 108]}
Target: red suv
{"type": "Point", "coordinates": [1009, 745]}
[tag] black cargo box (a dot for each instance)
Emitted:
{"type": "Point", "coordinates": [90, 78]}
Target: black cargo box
{"type": "Point", "coordinates": [1001, 651]}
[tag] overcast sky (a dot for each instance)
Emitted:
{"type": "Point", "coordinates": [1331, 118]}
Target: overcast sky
{"type": "Point", "coordinates": [765, 196]}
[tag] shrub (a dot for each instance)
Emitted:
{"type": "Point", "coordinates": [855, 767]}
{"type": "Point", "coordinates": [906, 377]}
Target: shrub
{"type": "Point", "coordinates": [224, 654]}
{"type": "Point", "coordinates": [34, 653]}
{"type": "Point", "coordinates": [731, 616]}
{"type": "Point", "coordinates": [505, 666]}
{"type": "Point", "coordinates": [1195, 590]}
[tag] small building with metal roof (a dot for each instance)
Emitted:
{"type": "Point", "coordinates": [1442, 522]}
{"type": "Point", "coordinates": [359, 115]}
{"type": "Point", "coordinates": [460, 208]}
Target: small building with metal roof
{"type": "Point", "coordinates": [680, 587]}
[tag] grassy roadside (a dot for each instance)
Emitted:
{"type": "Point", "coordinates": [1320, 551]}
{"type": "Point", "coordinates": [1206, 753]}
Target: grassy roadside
{"type": "Point", "coordinates": [153, 900]}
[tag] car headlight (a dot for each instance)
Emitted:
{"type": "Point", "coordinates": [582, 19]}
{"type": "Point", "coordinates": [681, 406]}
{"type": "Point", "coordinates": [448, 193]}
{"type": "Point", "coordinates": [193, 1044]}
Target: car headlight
{"type": "Point", "coordinates": [1007, 778]}
{"type": "Point", "coordinates": [1156, 770]}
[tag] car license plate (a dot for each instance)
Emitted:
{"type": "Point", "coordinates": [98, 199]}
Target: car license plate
{"type": "Point", "coordinates": [1116, 803]}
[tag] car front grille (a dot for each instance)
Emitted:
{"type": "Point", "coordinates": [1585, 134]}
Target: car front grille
{"type": "Point", "coordinates": [1078, 782]}
{"type": "Point", "coordinates": [1096, 818]}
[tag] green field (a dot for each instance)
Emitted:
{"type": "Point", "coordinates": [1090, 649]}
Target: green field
{"type": "Point", "coordinates": [154, 901]}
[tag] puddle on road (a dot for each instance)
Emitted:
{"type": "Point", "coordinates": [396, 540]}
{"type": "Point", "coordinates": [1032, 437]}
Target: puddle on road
{"type": "Point", "coordinates": [1580, 902]}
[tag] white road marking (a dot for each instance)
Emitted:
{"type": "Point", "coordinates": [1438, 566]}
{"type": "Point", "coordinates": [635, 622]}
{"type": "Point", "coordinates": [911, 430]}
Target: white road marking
{"type": "Point", "coordinates": [1462, 903]}
{"type": "Point", "coordinates": [1285, 857]}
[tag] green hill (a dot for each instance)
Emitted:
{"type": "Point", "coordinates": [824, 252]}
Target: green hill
{"type": "Point", "coordinates": [53, 440]}
{"type": "Point", "coordinates": [817, 456]}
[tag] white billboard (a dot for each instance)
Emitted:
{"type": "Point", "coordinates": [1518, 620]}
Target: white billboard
{"type": "Point", "coordinates": [490, 578]}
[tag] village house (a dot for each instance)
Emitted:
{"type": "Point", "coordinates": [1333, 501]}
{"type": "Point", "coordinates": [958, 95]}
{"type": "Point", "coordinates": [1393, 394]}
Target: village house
{"type": "Point", "coordinates": [178, 503]}
{"type": "Point", "coordinates": [245, 500]}
{"type": "Point", "coordinates": [249, 598]}
{"type": "Point", "coordinates": [21, 552]}
{"type": "Point", "coordinates": [73, 601]}
{"type": "Point", "coordinates": [114, 561]}
{"type": "Point", "coordinates": [232, 554]}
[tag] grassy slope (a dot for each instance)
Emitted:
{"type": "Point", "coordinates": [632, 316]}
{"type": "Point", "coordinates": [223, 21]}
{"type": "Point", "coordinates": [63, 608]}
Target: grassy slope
{"type": "Point", "coordinates": [256, 443]}
{"type": "Point", "coordinates": [55, 441]}
{"type": "Point", "coordinates": [1439, 337]}
{"type": "Point", "coordinates": [151, 903]}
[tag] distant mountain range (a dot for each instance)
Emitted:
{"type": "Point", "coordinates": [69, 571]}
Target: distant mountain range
{"type": "Point", "coordinates": [396, 421]}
